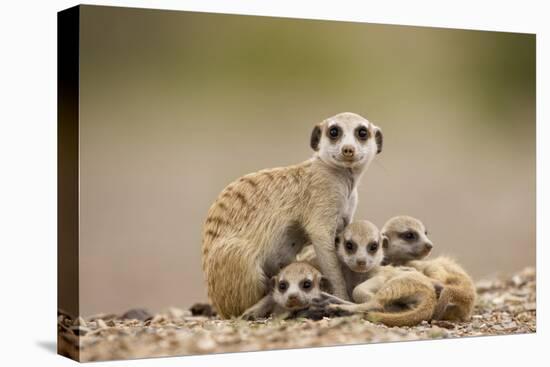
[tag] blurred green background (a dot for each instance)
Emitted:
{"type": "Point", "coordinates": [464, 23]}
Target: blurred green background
{"type": "Point", "coordinates": [175, 105]}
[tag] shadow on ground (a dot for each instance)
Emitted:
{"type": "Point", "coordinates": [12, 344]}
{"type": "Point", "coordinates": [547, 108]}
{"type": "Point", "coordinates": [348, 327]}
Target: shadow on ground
{"type": "Point", "coordinates": [50, 346]}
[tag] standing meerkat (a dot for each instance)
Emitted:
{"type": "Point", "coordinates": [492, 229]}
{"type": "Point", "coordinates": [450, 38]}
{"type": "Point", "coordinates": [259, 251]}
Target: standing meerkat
{"type": "Point", "coordinates": [297, 287]}
{"type": "Point", "coordinates": [395, 296]}
{"type": "Point", "coordinates": [261, 221]}
{"type": "Point", "coordinates": [408, 243]}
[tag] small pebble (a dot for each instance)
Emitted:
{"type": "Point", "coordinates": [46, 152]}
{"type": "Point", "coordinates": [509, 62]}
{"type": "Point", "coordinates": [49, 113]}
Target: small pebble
{"type": "Point", "coordinates": [101, 324]}
{"type": "Point", "coordinates": [79, 321]}
{"type": "Point", "coordinates": [137, 314]}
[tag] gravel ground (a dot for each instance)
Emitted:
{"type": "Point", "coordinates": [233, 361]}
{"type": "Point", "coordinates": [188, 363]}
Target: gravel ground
{"type": "Point", "coordinates": [504, 306]}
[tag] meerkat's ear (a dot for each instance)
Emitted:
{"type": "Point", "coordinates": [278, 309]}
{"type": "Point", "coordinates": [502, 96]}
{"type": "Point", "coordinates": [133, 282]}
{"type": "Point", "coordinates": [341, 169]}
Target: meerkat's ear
{"type": "Point", "coordinates": [325, 285]}
{"type": "Point", "coordinates": [379, 138]}
{"type": "Point", "coordinates": [315, 137]}
{"type": "Point", "coordinates": [385, 242]}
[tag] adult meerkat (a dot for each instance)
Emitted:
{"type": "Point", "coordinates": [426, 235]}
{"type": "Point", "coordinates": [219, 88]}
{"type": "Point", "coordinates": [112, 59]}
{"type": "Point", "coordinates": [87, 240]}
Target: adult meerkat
{"type": "Point", "coordinates": [395, 296]}
{"type": "Point", "coordinates": [261, 221]}
{"type": "Point", "coordinates": [296, 288]}
{"type": "Point", "coordinates": [408, 243]}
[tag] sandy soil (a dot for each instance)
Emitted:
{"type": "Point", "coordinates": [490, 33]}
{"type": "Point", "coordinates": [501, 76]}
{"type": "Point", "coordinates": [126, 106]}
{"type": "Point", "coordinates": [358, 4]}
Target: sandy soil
{"type": "Point", "coordinates": [504, 306]}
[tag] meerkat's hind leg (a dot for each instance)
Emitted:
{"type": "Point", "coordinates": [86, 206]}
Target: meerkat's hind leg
{"type": "Point", "coordinates": [365, 291]}
{"type": "Point", "coordinates": [360, 295]}
{"type": "Point", "coordinates": [454, 304]}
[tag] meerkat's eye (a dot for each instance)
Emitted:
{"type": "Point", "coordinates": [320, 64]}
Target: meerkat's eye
{"type": "Point", "coordinates": [334, 132]}
{"type": "Point", "coordinates": [409, 236]}
{"type": "Point", "coordinates": [306, 284]}
{"type": "Point", "coordinates": [362, 133]}
{"type": "Point", "coordinates": [372, 247]}
{"type": "Point", "coordinates": [283, 286]}
{"type": "Point", "coordinates": [350, 246]}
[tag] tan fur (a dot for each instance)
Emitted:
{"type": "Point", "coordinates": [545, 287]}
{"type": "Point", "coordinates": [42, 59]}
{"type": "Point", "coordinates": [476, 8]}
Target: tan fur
{"type": "Point", "coordinates": [395, 296]}
{"type": "Point", "coordinates": [457, 297]}
{"type": "Point", "coordinates": [260, 222]}
{"type": "Point", "coordinates": [308, 255]}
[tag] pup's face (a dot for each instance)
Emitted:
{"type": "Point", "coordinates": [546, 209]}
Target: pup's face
{"type": "Point", "coordinates": [358, 247]}
{"type": "Point", "coordinates": [297, 284]}
{"type": "Point", "coordinates": [405, 239]}
{"type": "Point", "coordinates": [346, 140]}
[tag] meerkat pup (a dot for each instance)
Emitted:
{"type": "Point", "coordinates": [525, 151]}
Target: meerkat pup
{"type": "Point", "coordinates": [395, 296]}
{"type": "Point", "coordinates": [408, 243]}
{"type": "Point", "coordinates": [261, 221]}
{"type": "Point", "coordinates": [357, 248]}
{"type": "Point", "coordinates": [297, 287]}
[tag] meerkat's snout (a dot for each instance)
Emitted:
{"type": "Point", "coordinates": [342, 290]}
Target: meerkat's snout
{"type": "Point", "coordinates": [348, 151]}
{"type": "Point", "coordinates": [428, 247]}
{"type": "Point", "coordinates": [293, 301]}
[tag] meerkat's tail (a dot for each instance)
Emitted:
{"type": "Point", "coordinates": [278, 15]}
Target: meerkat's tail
{"type": "Point", "coordinates": [418, 299]}
{"type": "Point", "coordinates": [455, 303]}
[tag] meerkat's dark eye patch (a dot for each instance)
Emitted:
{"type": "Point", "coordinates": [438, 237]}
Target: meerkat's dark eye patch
{"type": "Point", "coordinates": [409, 236]}
{"type": "Point", "coordinates": [373, 247]}
{"type": "Point", "coordinates": [337, 241]}
{"type": "Point", "coordinates": [350, 246]}
{"type": "Point", "coordinates": [334, 132]}
{"type": "Point", "coordinates": [283, 286]}
{"type": "Point", "coordinates": [306, 284]}
{"type": "Point", "coordinates": [362, 133]}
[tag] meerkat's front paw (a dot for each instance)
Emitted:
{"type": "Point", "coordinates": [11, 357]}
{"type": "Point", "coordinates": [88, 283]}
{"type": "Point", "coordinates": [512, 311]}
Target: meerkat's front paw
{"type": "Point", "coordinates": [252, 315]}
{"type": "Point", "coordinates": [247, 316]}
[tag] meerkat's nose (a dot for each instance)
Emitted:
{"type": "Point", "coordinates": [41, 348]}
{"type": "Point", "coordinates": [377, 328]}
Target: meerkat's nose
{"type": "Point", "coordinates": [428, 246]}
{"type": "Point", "coordinates": [361, 263]}
{"type": "Point", "coordinates": [348, 151]}
{"type": "Point", "coordinates": [293, 297]}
